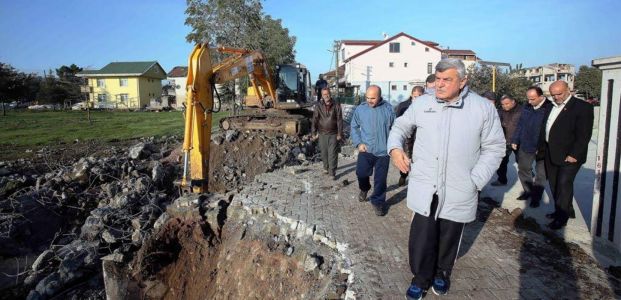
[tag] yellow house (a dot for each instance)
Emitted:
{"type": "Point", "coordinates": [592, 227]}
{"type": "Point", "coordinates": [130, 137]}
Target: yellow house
{"type": "Point", "coordinates": [124, 84]}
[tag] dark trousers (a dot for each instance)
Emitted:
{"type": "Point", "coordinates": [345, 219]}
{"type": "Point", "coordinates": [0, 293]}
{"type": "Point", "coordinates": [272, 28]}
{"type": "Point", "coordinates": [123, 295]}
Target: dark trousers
{"type": "Point", "coordinates": [502, 169]}
{"type": "Point", "coordinates": [409, 146]}
{"type": "Point", "coordinates": [525, 172]}
{"type": "Point", "coordinates": [561, 179]}
{"type": "Point", "coordinates": [365, 167]}
{"type": "Point", "coordinates": [329, 153]}
{"type": "Point", "coordinates": [433, 246]}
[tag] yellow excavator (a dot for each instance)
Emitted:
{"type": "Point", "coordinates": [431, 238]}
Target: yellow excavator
{"type": "Point", "coordinates": [272, 105]}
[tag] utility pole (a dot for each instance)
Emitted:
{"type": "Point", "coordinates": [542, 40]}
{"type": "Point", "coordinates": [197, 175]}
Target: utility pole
{"type": "Point", "coordinates": [337, 45]}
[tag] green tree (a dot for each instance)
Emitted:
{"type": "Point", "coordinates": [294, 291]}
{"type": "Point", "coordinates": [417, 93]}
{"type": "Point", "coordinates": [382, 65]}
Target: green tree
{"type": "Point", "coordinates": [589, 81]}
{"type": "Point", "coordinates": [480, 81]}
{"type": "Point", "coordinates": [275, 42]}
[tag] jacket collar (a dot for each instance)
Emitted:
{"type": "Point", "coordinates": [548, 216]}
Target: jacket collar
{"type": "Point", "coordinates": [459, 103]}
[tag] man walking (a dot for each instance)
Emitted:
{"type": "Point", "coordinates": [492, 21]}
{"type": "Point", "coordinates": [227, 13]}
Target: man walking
{"type": "Point", "coordinates": [320, 84]}
{"type": "Point", "coordinates": [566, 136]}
{"type": "Point", "coordinates": [328, 128]}
{"type": "Point", "coordinates": [509, 116]}
{"type": "Point", "coordinates": [525, 140]}
{"type": "Point", "coordinates": [409, 143]}
{"type": "Point", "coordinates": [459, 144]}
{"type": "Point", "coordinates": [370, 125]}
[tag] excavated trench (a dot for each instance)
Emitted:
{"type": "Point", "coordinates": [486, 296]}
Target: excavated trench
{"type": "Point", "coordinates": [210, 249]}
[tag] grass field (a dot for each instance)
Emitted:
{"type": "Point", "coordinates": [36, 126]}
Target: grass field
{"type": "Point", "coordinates": [29, 128]}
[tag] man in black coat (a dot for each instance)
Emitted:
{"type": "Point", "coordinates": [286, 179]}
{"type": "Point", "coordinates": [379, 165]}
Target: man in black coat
{"type": "Point", "coordinates": [399, 111]}
{"type": "Point", "coordinates": [565, 140]}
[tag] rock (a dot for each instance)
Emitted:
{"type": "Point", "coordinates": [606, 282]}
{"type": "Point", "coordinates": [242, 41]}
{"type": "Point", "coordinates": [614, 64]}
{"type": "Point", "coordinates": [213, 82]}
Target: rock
{"type": "Point", "coordinates": [301, 157]}
{"type": "Point", "coordinates": [79, 173]}
{"type": "Point", "coordinates": [43, 260]}
{"type": "Point", "coordinates": [217, 139]}
{"type": "Point", "coordinates": [115, 280]}
{"type": "Point", "coordinates": [119, 201]}
{"type": "Point", "coordinates": [137, 237]}
{"type": "Point", "coordinates": [92, 228]}
{"type": "Point", "coordinates": [49, 285]}
{"type": "Point", "coordinates": [311, 263]}
{"type": "Point", "coordinates": [111, 236]}
{"type": "Point", "coordinates": [160, 221]}
{"type": "Point", "coordinates": [231, 135]}
{"type": "Point", "coordinates": [5, 171]}
{"type": "Point", "coordinates": [8, 186]}
{"type": "Point", "coordinates": [155, 289]}
{"type": "Point", "coordinates": [296, 151]}
{"type": "Point", "coordinates": [289, 251]}
{"type": "Point", "coordinates": [158, 173]}
{"type": "Point", "coordinates": [111, 189]}
{"type": "Point", "coordinates": [138, 151]}
{"type": "Point", "coordinates": [348, 150]}
{"type": "Point", "coordinates": [115, 257]}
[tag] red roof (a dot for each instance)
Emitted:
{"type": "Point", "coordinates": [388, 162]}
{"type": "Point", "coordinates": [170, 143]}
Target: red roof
{"type": "Point", "coordinates": [388, 40]}
{"type": "Point", "coordinates": [178, 71]}
{"type": "Point", "coordinates": [459, 52]}
{"type": "Point", "coordinates": [361, 42]}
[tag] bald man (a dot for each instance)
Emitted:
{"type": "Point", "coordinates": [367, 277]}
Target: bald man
{"type": "Point", "coordinates": [565, 140]}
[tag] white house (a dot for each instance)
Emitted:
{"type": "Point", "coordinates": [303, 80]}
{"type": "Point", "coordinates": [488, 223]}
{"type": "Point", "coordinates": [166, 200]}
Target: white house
{"type": "Point", "coordinates": [177, 78]}
{"type": "Point", "coordinates": [395, 64]}
{"type": "Point", "coordinates": [544, 76]}
{"type": "Point", "coordinates": [606, 213]}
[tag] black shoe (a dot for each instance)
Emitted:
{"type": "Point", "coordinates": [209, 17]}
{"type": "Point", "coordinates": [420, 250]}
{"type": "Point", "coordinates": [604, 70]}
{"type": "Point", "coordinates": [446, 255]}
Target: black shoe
{"type": "Point", "coordinates": [534, 203]}
{"type": "Point", "coordinates": [523, 196]}
{"type": "Point", "coordinates": [498, 183]}
{"type": "Point", "coordinates": [556, 225]}
{"type": "Point", "coordinates": [572, 214]}
{"type": "Point", "coordinates": [380, 210]}
{"type": "Point", "coordinates": [401, 181]}
{"type": "Point", "coordinates": [362, 197]}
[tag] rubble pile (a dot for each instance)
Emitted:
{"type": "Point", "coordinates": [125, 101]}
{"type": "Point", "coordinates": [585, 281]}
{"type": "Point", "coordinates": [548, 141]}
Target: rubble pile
{"type": "Point", "coordinates": [73, 216]}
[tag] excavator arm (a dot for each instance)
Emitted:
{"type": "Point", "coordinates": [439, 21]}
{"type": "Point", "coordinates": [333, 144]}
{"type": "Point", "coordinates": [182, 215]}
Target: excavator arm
{"type": "Point", "coordinates": [201, 79]}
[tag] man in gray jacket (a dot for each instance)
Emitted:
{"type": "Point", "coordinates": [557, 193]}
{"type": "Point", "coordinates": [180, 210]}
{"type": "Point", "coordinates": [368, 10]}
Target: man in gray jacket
{"type": "Point", "coordinates": [459, 145]}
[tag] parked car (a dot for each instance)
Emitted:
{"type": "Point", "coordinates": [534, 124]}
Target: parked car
{"type": "Point", "coordinates": [594, 101]}
{"type": "Point", "coordinates": [79, 106]}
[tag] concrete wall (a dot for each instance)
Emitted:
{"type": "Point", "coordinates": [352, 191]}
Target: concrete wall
{"type": "Point", "coordinates": [606, 213]}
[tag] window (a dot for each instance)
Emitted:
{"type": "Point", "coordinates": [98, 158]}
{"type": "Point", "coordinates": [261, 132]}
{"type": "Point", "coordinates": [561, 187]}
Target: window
{"type": "Point", "coordinates": [122, 81]}
{"type": "Point", "coordinates": [549, 78]}
{"type": "Point", "coordinates": [429, 68]}
{"type": "Point", "coordinates": [426, 49]}
{"type": "Point", "coordinates": [405, 65]}
{"type": "Point", "coordinates": [393, 87]}
{"type": "Point", "coordinates": [101, 83]}
{"type": "Point", "coordinates": [405, 87]}
{"type": "Point", "coordinates": [413, 44]}
{"type": "Point", "coordinates": [101, 97]}
{"type": "Point", "coordinates": [394, 48]}
{"type": "Point", "coordinates": [124, 97]}
{"type": "Point", "coordinates": [562, 77]}
{"type": "Point", "coordinates": [391, 64]}
{"type": "Point", "coordinates": [343, 54]}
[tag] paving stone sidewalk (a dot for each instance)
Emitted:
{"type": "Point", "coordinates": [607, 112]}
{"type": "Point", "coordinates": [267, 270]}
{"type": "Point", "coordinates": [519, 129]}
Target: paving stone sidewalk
{"type": "Point", "coordinates": [496, 260]}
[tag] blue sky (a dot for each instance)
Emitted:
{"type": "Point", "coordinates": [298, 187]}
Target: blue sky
{"type": "Point", "coordinates": [38, 35]}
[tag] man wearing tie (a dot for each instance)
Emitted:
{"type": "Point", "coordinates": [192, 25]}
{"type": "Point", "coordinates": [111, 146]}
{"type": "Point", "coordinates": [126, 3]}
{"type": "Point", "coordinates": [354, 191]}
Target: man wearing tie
{"type": "Point", "coordinates": [566, 137]}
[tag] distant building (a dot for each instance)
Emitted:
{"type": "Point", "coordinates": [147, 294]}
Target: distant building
{"type": "Point", "coordinates": [177, 79]}
{"type": "Point", "coordinates": [544, 76]}
{"type": "Point", "coordinates": [606, 213]}
{"type": "Point", "coordinates": [124, 84]}
{"type": "Point", "coordinates": [467, 56]}
{"type": "Point", "coordinates": [395, 64]}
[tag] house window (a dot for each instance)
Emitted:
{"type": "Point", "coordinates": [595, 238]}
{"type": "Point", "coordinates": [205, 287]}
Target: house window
{"type": "Point", "coordinates": [405, 87]}
{"type": "Point", "coordinates": [393, 87]}
{"type": "Point", "coordinates": [549, 78]}
{"type": "Point", "coordinates": [124, 97]}
{"type": "Point", "coordinates": [426, 49]}
{"type": "Point", "coordinates": [413, 44]}
{"type": "Point", "coordinates": [122, 81]}
{"type": "Point", "coordinates": [391, 64]}
{"type": "Point", "coordinates": [101, 97]}
{"type": "Point", "coordinates": [429, 68]}
{"type": "Point", "coordinates": [101, 83]}
{"type": "Point", "coordinates": [343, 54]}
{"type": "Point", "coordinates": [405, 65]}
{"type": "Point", "coordinates": [394, 48]}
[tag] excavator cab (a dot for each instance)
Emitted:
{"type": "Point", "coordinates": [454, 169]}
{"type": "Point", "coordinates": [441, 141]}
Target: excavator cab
{"type": "Point", "coordinates": [293, 88]}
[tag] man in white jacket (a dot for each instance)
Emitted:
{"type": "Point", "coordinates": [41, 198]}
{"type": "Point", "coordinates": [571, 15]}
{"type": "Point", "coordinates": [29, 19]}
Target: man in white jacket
{"type": "Point", "coordinates": [459, 145]}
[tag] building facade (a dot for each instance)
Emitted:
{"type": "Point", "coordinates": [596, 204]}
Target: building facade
{"type": "Point", "coordinates": [396, 64]}
{"type": "Point", "coordinates": [606, 212]}
{"type": "Point", "coordinates": [468, 57]}
{"type": "Point", "coordinates": [544, 76]}
{"type": "Point", "coordinates": [124, 85]}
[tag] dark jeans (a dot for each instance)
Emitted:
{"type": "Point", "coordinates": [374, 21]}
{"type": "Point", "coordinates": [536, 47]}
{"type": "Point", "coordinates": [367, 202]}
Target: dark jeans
{"type": "Point", "coordinates": [329, 152]}
{"type": "Point", "coordinates": [433, 246]}
{"type": "Point", "coordinates": [561, 179]}
{"type": "Point", "coordinates": [365, 167]}
{"type": "Point", "coordinates": [502, 169]}
{"type": "Point", "coordinates": [525, 173]}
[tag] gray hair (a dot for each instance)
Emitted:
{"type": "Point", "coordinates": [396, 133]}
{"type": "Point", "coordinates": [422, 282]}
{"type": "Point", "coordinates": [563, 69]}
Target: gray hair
{"type": "Point", "coordinates": [452, 63]}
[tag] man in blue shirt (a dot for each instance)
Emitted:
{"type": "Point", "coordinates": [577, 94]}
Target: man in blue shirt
{"type": "Point", "coordinates": [370, 126]}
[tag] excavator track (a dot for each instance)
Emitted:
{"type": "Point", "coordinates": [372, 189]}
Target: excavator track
{"type": "Point", "coordinates": [291, 124]}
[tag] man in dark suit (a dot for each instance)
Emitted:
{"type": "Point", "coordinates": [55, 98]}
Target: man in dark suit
{"type": "Point", "coordinates": [565, 139]}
